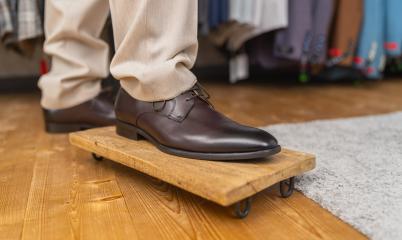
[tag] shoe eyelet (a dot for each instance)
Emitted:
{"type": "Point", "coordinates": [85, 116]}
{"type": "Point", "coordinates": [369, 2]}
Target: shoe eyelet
{"type": "Point", "coordinates": [160, 108]}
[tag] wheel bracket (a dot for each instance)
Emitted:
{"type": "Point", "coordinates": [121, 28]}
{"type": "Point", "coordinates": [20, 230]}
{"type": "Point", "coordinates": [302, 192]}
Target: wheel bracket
{"type": "Point", "coordinates": [286, 187]}
{"type": "Point", "coordinates": [242, 208]}
{"type": "Point", "coordinates": [97, 157]}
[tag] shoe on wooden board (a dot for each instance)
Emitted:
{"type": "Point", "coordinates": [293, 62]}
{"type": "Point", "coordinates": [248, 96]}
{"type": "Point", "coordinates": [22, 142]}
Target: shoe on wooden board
{"type": "Point", "coordinates": [222, 182]}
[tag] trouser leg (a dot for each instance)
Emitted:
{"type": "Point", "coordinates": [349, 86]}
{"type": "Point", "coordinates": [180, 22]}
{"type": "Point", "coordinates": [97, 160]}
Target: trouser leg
{"type": "Point", "coordinates": [156, 46]}
{"type": "Point", "coordinates": [79, 58]}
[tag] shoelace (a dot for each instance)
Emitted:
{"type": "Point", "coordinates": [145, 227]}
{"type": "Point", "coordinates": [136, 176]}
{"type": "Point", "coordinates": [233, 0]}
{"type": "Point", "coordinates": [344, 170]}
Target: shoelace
{"type": "Point", "coordinates": [199, 91]}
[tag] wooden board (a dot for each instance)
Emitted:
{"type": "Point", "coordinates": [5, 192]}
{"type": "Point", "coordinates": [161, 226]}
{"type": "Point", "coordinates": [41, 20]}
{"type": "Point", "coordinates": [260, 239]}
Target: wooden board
{"type": "Point", "coordinates": [222, 182]}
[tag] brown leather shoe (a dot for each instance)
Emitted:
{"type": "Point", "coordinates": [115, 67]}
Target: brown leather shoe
{"type": "Point", "coordinates": [188, 126]}
{"type": "Point", "coordinates": [97, 112]}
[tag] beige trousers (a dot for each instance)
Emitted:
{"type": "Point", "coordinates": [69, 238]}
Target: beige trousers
{"type": "Point", "coordinates": [156, 46]}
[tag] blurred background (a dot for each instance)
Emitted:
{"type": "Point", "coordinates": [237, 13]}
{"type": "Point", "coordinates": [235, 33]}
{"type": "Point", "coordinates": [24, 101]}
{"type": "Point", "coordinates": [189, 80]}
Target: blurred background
{"type": "Point", "coordinates": [264, 62]}
{"type": "Point", "coordinates": [258, 51]}
{"type": "Point", "coordinates": [302, 42]}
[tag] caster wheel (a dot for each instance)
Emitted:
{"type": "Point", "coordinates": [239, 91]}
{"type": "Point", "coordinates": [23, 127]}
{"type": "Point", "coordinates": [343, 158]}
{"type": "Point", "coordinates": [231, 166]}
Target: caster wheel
{"type": "Point", "coordinates": [242, 209]}
{"type": "Point", "coordinates": [96, 157]}
{"type": "Point", "coordinates": [286, 187]}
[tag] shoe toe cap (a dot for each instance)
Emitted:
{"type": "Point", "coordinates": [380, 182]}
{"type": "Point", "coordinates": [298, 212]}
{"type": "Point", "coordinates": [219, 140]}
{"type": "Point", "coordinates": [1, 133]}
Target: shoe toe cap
{"type": "Point", "coordinates": [261, 140]}
{"type": "Point", "coordinates": [249, 140]}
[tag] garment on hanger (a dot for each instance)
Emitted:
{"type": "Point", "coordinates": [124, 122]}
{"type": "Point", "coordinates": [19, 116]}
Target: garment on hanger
{"type": "Point", "coordinates": [21, 24]}
{"type": "Point", "coordinates": [248, 19]}
{"type": "Point", "coordinates": [262, 16]}
{"type": "Point", "coordinates": [345, 31]}
{"type": "Point", "coordinates": [11, 35]}
{"type": "Point", "coordinates": [6, 23]}
{"type": "Point", "coordinates": [247, 9]}
{"type": "Point", "coordinates": [235, 9]}
{"type": "Point", "coordinates": [29, 20]}
{"type": "Point", "coordinates": [393, 27]}
{"type": "Point", "coordinates": [370, 54]}
{"type": "Point", "coordinates": [218, 12]}
{"type": "Point", "coordinates": [260, 53]}
{"type": "Point", "coordinates": [289, 42]}
{"type": "Point", "coordinates": [323, 11]}
{"type": "Point", "coordinates": [203, 20]}
{"type": "Point", "coordinates": [305, 39]}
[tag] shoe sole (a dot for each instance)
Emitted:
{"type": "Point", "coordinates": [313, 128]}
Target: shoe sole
{"type": "Point", "coordinates": [131, 132]}
{"type": "Point", "coordinates": [65, 128]}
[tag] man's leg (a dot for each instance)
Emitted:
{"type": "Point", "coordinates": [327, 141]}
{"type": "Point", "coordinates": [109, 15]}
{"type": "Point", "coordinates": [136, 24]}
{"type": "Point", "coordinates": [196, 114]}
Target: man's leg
{"type": "Point", "coordinates": [79, 57]}
{"type": "Point", "coordinates": [71, 90]}
{"type": "Point", "coordinates": [156, 45]}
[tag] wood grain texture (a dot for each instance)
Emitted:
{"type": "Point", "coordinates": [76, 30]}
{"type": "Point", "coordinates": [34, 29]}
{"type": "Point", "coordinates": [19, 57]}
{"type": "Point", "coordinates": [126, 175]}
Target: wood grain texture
{"type": "Point", "coordinates": [222, 182]}
{"type": "Point", "coordinates": [50, 190]}
{"type": "Point", "coordinates": [16, 164]}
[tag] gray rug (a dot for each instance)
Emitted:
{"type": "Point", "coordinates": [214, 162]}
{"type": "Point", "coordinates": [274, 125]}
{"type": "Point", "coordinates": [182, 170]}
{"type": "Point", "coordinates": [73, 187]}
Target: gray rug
{"type": "Point", "coordinates": [359, 169]}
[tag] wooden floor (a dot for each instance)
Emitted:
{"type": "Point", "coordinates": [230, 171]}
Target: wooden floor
{"type": "Point", "coordinates": [50, 190]}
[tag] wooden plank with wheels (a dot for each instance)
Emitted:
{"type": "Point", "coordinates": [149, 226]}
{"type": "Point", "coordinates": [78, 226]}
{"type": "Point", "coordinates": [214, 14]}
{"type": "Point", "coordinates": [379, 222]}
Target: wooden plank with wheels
{"type": "Point", "coordinates": [225, 183]}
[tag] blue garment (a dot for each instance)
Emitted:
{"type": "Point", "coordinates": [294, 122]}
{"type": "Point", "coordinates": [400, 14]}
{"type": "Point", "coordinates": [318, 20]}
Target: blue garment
{"type": "Point", "coordinates": [218, 12]}
{"type": "Point", "coordinates": [393, 27]}
{"type": "Point", "coordinates": [370, 50]}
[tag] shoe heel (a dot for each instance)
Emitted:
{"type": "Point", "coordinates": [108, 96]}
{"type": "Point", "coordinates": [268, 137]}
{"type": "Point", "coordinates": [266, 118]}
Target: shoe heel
{"type": "Point", "coordinates": [127, 130]}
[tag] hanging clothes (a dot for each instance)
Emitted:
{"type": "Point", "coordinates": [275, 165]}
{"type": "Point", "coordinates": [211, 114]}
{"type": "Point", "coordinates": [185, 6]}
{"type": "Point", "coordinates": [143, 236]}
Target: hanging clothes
{"type": "Point", "coordinates": [262, 16]}
{"type": "Point", "coordinates": [203, 18]}
{"type": "Point", "coordinates": [305, 38]}
{"type": "Point", "coordinates": [323, 11]}
{"type": "Point", "coordinates": [11, 36]}
{"type": "Point", "coordinates": [241, 11]}
{"type": "Point", "coordinates": [234, 9]}
{"type": "Point", "coordinates": [21, 24]}
{"type": "Point", "coordinates": [6, 23]}
{"type": "Point", "coordinates": [218, 12]}
{"type": "Point", "coordinates": [248, 19]}
{"type": "Point", "coordinates": [345, 31]}
{"type": "Point", "coordinates": [393, 28]}
{"type": "Point", "coordinates": [317, 34]}
{"type": "Point", "coordinates": [260, 53]}
{"type": "Point", "coordinates": [370, 54]}
{"type": "Point", "coordinates": [29, 20]}
{"type": "Point", "coordinates": [289, 42]}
